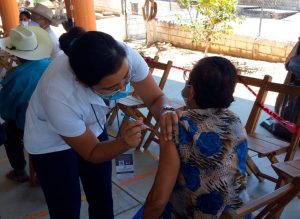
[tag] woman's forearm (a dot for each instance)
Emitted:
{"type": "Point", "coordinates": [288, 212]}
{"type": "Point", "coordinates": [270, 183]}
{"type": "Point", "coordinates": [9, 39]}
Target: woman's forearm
{"type": "Point", "coordinates": [88, 147]}
{"type": "Point", "coordinates": [156, 107]}
{"type": "Point", "coordinates": [107, 150]}
{"type": "Point", "coordinates": [152, 95]}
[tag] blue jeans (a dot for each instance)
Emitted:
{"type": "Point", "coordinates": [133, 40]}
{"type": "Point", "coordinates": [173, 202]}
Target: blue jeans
{"type": "Point", "coordinates": [59, 173]}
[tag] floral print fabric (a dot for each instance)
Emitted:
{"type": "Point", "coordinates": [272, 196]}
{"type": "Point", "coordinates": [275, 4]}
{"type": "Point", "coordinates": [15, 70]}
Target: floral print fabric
{"type": "Point", "coordinates": [212, 147]}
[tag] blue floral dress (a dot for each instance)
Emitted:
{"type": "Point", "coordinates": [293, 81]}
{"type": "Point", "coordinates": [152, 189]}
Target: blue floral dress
{"type": "Point", "coordinates": [212, 146]}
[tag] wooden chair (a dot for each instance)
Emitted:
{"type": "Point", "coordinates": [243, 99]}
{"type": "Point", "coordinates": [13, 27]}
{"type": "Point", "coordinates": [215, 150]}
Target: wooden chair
{"type": "Point", "coordinates": [272, 203]}
{"type": "Point", "coordinates": [286, 171]}
{"type": "Point", "coordinates": [132, 105]}
{"type": "Point", "coordinates": [265, 146]}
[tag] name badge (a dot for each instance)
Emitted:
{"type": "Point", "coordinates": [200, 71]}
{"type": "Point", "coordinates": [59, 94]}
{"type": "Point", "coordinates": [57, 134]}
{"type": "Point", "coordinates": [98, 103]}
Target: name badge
{"type": "Point", "coordinates": [124, 163]}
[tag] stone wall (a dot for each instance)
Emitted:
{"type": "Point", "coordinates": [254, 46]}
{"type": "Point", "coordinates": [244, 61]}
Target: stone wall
{"type": "Point", "coordinates": [278, 4]}
{"type": "Point", "coordinates": [112, 5]}
{"type": "Point", "coordinates": [234, 45]}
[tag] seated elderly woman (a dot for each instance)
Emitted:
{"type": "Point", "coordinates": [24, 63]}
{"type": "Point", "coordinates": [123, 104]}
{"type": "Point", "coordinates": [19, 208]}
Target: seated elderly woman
{"type": "Point", "coordinates": [202, 172]}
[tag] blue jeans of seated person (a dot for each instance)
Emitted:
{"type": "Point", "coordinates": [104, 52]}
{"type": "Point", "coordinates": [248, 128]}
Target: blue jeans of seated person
{"type": "Point", "coordinates": [59, 173]}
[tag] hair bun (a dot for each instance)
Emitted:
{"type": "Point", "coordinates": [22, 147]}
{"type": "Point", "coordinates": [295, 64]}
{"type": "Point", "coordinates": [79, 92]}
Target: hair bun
{"type": "Point", "coordinates": [67, 40]}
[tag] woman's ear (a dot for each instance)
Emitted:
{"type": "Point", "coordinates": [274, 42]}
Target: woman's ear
{"type": "Point", "coordinates": [83, 84]}
{"type": "Point", "coordinates": [190, 93]}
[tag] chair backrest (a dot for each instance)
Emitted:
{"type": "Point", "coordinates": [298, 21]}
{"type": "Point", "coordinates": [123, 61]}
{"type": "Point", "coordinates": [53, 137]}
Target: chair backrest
{"type": "Point", "coordinates": [165, 67]}
{"type": "Point", "coordinates": [155, 59]}
{"type": "Point", "coordinates": [293, 91]}
{"type": "Point", "coordinates": [267, 86]}
{"type": "Point", "coordinates": [154, 64]}
{"type": "Point", "coordinates": [260, 98]}
{"type": "Point", "coordinates": [272, 203]}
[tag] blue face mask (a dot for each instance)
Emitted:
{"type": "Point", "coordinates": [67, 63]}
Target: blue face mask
{"type": "Point", "coordinates": [116, 94]}
{"type": "Point", "coordinates": [185, 99]}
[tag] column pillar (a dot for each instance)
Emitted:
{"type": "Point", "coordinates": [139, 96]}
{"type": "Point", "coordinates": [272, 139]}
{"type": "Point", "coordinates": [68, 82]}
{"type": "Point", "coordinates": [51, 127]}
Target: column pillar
{"type": "Point", "coordinates": [84, 14]}
{"type": "Point", "coordinates": [68, 9]}
{"type": "Point", "coordinates": [9, 15]}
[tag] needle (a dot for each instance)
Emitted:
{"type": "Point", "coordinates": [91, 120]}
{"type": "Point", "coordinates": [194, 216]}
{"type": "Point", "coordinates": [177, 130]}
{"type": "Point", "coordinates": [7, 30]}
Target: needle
{"type": "Point", "coordinates": [130, 118]}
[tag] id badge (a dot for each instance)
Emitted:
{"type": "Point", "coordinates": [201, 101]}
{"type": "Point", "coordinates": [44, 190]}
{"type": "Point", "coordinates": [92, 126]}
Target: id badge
{"type": "Point", "coordinates": [124, 163]}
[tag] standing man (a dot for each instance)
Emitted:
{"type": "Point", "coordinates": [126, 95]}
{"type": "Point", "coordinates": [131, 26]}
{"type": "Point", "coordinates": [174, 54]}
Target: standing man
{"type": "Point", "coordinates": [44, 17]}
{"type": "Point", "coordinates": [32, 47]}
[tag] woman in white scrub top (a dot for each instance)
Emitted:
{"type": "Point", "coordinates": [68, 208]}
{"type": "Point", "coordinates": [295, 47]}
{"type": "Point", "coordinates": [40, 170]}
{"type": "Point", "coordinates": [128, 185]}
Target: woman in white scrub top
{"type": "Point", "coordinates": [65, 131]}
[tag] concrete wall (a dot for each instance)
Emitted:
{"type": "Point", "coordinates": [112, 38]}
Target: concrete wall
{"type": "Point", "coordinates": [278, 4]}
{"type": "Point", "coordinates": [234, 45]}
{"type": "Point", "coordinates": [111, 5]}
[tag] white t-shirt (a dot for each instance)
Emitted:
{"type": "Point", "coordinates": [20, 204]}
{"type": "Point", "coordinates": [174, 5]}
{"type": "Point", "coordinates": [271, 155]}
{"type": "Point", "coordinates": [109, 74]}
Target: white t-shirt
{"type": "Point", "coordinates": [56, 50]}
{"type": "Point", "coordinates": [62, 106]}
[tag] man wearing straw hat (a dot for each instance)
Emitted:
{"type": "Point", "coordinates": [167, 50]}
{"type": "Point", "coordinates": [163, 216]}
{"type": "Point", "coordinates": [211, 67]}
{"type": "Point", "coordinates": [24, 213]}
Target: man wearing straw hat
{"type": "Point", "coordinates": [44, 17]}
{"type": "Point", "coordinates": [32, 46]}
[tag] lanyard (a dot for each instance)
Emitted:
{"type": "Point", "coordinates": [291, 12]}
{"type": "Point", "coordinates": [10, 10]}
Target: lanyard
{"type": "Point", "coordinates": [102, 127]}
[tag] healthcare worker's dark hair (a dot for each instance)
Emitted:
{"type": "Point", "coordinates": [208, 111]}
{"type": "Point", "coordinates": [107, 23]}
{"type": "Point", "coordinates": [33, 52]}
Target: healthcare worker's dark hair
{"type": "Point", "coordinates": [93, 55]}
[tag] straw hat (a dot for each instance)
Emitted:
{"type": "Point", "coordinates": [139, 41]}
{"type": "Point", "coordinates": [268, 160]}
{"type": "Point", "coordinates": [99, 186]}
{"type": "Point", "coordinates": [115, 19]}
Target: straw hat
{"type": "Point", "coordinates": [30, 43]}
{"type": "Point", "coordinates": [45, 12]}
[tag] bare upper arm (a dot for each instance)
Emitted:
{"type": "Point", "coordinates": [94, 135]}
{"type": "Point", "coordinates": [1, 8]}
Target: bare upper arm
{"type": "Point", "coordinates": [167, 173]}
{"type": "Point", "coordinates": [164, 182]}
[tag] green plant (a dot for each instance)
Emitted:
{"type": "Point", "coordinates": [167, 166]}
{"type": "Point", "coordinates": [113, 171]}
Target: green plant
{"type": "Point", "coordinates": [209, 19]}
